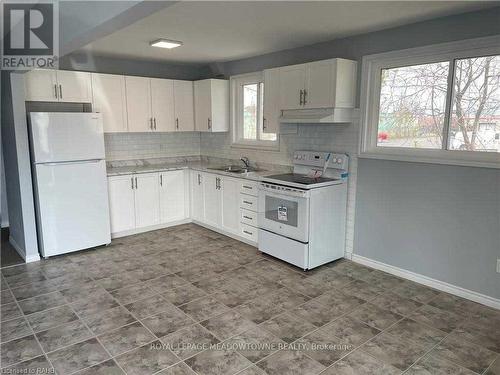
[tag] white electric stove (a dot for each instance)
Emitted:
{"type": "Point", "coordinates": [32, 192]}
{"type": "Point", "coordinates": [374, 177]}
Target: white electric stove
{"type": "Point", "coordinates": [302, 214]}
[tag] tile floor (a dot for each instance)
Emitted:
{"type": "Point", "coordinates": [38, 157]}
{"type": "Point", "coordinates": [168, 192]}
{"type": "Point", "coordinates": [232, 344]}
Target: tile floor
{"type": "Point", "coordinates": [186, 300]}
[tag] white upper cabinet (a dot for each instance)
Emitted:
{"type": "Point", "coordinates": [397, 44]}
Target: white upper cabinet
{"type": "Point", "coordinates": [292, 81]}
{"type": "Point", "coordinates": [162, 104]}
{"type": "Point", "coordinates": [108, 98]}
{"type": "Point", "coordinates": [183, 105]}
{"type": "Point", "coordinates": [272, 110]}
{"type": "Point", "coordinates": [138, 104]}
{"type": "Point", "coordinates": [211, 105]}
{"type": "Point", "coordinates": [58, 86]}
{"type": "Point", "coordinates": [320, 84]}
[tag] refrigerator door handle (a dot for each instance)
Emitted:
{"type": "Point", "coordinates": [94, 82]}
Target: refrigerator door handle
{"type": "Point", "coordinates": [70, 162]}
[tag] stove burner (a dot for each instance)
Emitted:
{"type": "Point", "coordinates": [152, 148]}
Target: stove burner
{"type": "Point", "coordinates": [300, 178]}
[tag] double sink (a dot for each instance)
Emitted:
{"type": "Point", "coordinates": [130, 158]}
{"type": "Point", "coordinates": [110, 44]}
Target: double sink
{"type": "Point", "coordinates": [236, 169]}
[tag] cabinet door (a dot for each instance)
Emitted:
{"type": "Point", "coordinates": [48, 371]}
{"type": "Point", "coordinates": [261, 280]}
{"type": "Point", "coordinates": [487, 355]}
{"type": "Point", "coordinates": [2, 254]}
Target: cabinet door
{"type": "Point", "coordinates": [138, 94]}
{"type": "Point", "coordinates": [108, 98]}
{"type": "Point", "coordinates": [292, 80]}
{"type": "Point", "coordinates": [162, 104]}
{"type": "Point", "coordinates": [172, 196]}
{"type": "Point", "coordinates": [319, 84]}
{"type": "Point", "coordinates": [197, 196]}
{"type": "Point", "coordinates": [41, 85]}
{"type": "Point", "coordinates": [74, 86]}
{"type": "Point", "coordinates": [212, 199]}
{"type": "Point", "coordinates": [121, 203]}
{"type": "Point", "coordinates": [230, 205]}
{"type": "Point", "coordinates": [184, 105]}
{"type": "Point", "coordinates": [272, 109]}
{"type": "Point", "coordinates": [202, 105]}
{"type": "Point", "coordinates": [147, 200]}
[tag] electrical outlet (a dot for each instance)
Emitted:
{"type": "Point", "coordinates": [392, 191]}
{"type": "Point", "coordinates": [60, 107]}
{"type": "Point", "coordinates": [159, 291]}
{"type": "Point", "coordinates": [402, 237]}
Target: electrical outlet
{"type": "Point", "coordinates": [498, 265]}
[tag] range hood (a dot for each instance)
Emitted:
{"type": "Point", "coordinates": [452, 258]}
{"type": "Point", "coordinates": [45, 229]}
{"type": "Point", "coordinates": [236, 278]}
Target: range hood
{"type": "Point", "coordinates": [316, 116]}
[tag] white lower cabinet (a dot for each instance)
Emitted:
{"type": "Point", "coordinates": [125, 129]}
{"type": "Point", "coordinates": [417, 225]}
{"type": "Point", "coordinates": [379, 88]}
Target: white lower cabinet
{"type": "Point", "coordinates": [216, 201]}
{"type": "Point", "coordinates": [197, 197]}
{"type": "Point", "coordinates": [121, 203]}
{"type": "Point", "coordinates": [147, 200]}
{"type": "Point", "coordinates": [147, 203]}
{"type": "Point", "coordinates": [212, 194]}
{"type": "Point", "coordinates": [230, 205]}
{"type": "Point", "coordinates": [173, 196]}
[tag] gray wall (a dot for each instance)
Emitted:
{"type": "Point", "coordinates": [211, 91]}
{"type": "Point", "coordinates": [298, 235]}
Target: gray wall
{"type": "Point", "coordinates": [15, 150]}
{"type": "Point", "coordinates": [437, 220]}
{"type": "Point", "coordinates": [92, 63]}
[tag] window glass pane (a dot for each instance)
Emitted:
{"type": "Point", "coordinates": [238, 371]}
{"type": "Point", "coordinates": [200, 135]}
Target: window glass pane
{"type": "Point", "coordinates": [412, 106]}
{"type": "Point", "coordinates": [250, 119]}
{"type": "Point", "coordinates": [264, 136]}
{"type": "Point", "coordinates": [475, 118]}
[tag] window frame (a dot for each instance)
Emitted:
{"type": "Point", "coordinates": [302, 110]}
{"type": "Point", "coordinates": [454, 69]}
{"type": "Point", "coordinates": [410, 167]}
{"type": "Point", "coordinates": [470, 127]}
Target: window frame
{"type": "Point", "coordinates": [236, 99]}
{"type": "Point", "coordinates": [372, 66]}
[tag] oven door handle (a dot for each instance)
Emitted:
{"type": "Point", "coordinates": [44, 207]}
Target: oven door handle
{"type": "Point", "coordinates": [284, 194]}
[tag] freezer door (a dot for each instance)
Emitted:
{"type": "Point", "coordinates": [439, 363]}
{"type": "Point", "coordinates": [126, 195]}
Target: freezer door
{"type": "Point", "coordinates": [72, 206]}
{"type": "Point", "coordinates": [61, 136]}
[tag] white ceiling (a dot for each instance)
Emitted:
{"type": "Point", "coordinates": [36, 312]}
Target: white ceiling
{"type": "Point", "coordinates": [224, 31]}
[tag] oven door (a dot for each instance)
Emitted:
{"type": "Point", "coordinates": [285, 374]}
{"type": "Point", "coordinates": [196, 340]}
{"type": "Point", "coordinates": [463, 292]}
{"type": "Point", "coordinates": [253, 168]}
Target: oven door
{"type": "Point", "coordinates": [284, 213]}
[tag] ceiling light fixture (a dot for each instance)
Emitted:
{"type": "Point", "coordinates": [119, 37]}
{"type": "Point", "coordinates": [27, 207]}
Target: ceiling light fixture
{"type": "Point", "coordinates": [165, 43]}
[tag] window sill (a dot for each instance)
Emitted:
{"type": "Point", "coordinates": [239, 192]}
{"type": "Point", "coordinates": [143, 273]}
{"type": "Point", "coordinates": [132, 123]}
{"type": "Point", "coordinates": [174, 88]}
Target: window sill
{"type": "Point", "coordinates": [260, 147]}
{"type": "Point", "coordinates": [483, 161]}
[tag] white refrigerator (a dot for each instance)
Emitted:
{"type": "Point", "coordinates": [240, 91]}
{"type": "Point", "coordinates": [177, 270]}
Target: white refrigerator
{"type": "Point", "coordinates": [70, 184]}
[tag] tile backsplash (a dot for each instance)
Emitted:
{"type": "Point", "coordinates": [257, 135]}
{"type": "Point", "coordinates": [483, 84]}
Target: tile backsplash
{"type": "Point", "coordinates": [131, 146]}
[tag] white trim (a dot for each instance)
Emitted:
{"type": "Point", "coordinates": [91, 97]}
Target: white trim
{"type": "Point", "coordinates": [149, 228]}
{"type": "Point", "coordinates": [369, 103]}
{"type": "Point", "coordinates": [22, 253]}
{"type": "Point", "coordinates": [235, 95]}
{"type": "Point", "coordinates": [428, 281]}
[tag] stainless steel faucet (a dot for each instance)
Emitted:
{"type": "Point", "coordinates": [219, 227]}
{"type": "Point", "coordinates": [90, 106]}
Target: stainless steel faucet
{"type": "Point", "coordinates": [245, 161]}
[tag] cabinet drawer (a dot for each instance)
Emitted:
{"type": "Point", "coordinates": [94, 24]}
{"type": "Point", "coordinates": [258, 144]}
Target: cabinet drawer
{"type": "Point", "coordinates": [249, 232]}
{"type": "Point", "coordinates": [250, 188]}
{"type": "Point", "coordinates": [248, 217]}
{"type": "Point", "coordinates": [248, 202]}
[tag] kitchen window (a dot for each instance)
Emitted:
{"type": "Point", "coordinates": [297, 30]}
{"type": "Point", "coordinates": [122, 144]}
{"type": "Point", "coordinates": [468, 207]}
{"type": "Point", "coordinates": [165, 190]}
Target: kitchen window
{"type": "Point", "coordinates": [247, 94]}
{"type": "Point", "coordinates": [434, 104]}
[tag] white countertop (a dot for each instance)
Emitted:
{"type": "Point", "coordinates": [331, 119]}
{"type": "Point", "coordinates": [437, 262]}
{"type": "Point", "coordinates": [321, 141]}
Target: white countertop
{"type": "Point", "coordinates": [194, 165]}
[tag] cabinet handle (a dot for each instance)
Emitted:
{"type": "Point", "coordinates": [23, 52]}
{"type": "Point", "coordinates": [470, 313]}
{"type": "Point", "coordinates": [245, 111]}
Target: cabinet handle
{"type": "Point", "coordinates": [161, 180]}
{"type": "Point", "coordinates": [247, 202]}
{"type": "Point", "coordinates": [177, 123]}
{"type": "Point", "coordinates": [199, 179]}
{"type": "Point", "coordinates": [247, 232]}
{"type": "Point", "coordinates": [151, 123]}
{"type": "Point", "coordinates": [247, 217]}
{"type": "Point", "coordinates": [209, 124]}
{"type": "Point", "coordinates": [301, 96]}
{"type": "Point", "coordinates": [60, 91]}
{"type": "Point", "coordinates": [136, 182]}
{"type": "Point", "coordinates": [305, 96]}
{"type": "Point", "coordinates": [154, 121]}
{"type": "Point", "coordinates": [132, 181]}
{"type": "Point", "coordinates": [55, 91]}
{"type": "Point", "coordinates": [264, 126]}
{"type": "Point", "coordinates": [247, 187]}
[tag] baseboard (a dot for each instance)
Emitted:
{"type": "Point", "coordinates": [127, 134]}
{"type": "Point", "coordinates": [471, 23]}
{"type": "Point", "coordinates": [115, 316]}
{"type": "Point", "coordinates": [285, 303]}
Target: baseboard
{"type": "Point", "coordinates": [22, 252]}
{"type": "Point", "coordinates": [428, 281]}
{"type": "Point", "coordinates": [150, 228]}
